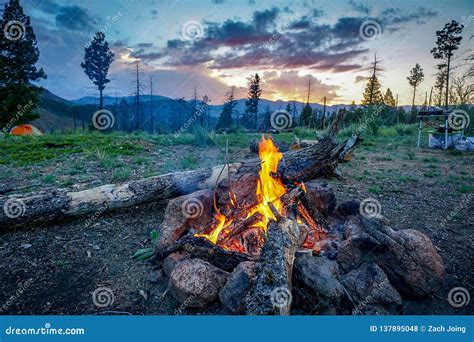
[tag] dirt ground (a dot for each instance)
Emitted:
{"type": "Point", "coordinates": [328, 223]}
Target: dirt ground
{"type": "Point", "coordinates": [55, 269]}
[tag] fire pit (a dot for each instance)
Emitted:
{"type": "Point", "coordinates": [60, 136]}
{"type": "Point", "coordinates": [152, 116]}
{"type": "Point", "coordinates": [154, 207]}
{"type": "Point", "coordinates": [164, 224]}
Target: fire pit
{"type": "Point", "coordinates": [267, 239]}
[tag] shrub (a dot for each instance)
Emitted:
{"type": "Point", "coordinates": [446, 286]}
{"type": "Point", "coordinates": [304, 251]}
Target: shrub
{"type": "Point", "coordinates": [403, 129]}
{"type": "Point", "coordinates": [202, 137]}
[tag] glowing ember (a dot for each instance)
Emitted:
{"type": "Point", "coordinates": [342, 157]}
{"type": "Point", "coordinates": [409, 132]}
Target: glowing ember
{"type": "Point", "coordinates": [244, 229]}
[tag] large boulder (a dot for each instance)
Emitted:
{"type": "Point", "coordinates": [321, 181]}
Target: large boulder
{"type": "Point", "coordinates": [320, 195]}
{"type": "Point", "coordinates": [196, 283]}
{"type": "Point", "coordinates": [315, 286]}
{"type": "Point", "coordinates": [408, 257]}
{"type": "Point", "coordinates": [236, 288]}
{"type": "Point", "coordinates": [172, 260]}
{"type": "Point", "coordinates": [371, 292]}
{"type": "Point", "coordinates": [183, 213]}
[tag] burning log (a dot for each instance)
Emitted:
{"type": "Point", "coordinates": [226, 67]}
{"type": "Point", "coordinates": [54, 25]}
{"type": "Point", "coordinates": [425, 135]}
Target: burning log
{"type": "Point", "coordinates": [318, 160]}
{"type": "Point", "coordinates": [205, 250]}
{"type": "Point", "coordinates": [271, 291]}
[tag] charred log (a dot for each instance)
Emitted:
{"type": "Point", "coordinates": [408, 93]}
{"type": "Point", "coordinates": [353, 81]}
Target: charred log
{"type": "Point", "coordinates": [271, 291]}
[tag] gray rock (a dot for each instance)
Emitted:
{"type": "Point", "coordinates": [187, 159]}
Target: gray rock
{"type": "Point", "coordinates": [320, 195]}
{"type": "Point", "coordinates": [236, 288]}
{"type": "Point", "coordinates": [371, 291]}
{"type": "Point", "coordinates": [172, 260]}
{"type": "Point", "coordinates": [315, 286]}
{"type": "Point", "coordinates": [196, 283]}
{"type": "Point", "coordinates": [407, 257]}
{"type": "Point", "coordinates": [155, 276]}
{"type": "Point", "coordinates": [183, 213]}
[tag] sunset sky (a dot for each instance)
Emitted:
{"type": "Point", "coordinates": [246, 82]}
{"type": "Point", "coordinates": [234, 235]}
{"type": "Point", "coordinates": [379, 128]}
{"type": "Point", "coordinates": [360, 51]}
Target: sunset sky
{"type": "Point", "coordinates": [214, 44]}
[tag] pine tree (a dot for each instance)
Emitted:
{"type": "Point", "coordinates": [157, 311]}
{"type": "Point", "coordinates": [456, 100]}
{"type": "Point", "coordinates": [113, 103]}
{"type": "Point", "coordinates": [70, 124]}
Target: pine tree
{"type": "Point", "coordinates": [225, 118]}
{"type": "Point", "coordinates": [97, 60]}
{"type": "Point", "coordinates": [447, 41]}
{"type": "Point", "coordinates": [415, 79]}
{"type": "Point", "coordinates": [373, 94]}
{"type": "Point", "coordinates": [388, 98]}
{"type": "Point", "coordinates": [306, 117]}
{"type": "Point", "coordinates": [267, 119]}
{"type": "Point", "coordinates": [251, 114]}
{"type": "Point", "coordinates": [18, 57]}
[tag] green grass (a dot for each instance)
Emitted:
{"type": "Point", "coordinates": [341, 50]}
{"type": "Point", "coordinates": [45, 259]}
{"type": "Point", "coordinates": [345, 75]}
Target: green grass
{"type": "Point", "coordinates": [464, 189]}
{"type": "Point", "coordinates": [122, 174]}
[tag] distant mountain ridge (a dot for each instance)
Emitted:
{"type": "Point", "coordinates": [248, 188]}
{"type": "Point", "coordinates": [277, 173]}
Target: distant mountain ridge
{"type": "Point", "coordinates": [58, 114]}
{"type": "Point", "coordinates": [214, 109]}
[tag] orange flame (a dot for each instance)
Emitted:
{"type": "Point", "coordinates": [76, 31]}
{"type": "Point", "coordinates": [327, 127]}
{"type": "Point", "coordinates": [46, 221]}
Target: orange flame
{"type": "Point", "coordinates": [269, 190]}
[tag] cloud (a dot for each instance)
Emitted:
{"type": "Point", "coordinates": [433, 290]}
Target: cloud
{"type": "Point", "coordinates": [75, 18]}
{"type": "Point", "coordinates": [360, 79]}
{"type": "Point", "coordinates": [291, 85]}
{"type": "Point", "coordinates": [359, 7]}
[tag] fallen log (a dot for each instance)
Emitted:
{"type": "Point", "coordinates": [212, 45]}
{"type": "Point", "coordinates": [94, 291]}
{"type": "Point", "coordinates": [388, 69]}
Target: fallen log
{"type": "Point", "coordinates": [271, 291]}
{"type": "Point", "coordinates": [315, 161]}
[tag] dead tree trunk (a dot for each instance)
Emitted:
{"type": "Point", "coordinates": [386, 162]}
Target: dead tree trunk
{"type": "Point", "coordinates": [271, 292]}
{"type": "Point", "coordinates": [318, 160]}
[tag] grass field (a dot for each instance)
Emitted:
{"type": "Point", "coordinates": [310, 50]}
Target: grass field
{"type": "Point", "coordinates": [80, 161]}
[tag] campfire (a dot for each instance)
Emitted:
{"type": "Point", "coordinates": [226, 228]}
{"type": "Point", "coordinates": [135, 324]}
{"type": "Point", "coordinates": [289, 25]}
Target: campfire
{"type": "Point", "coordinates": [264, 236]}
{"type": "Point", "coordinates": [244, 226]}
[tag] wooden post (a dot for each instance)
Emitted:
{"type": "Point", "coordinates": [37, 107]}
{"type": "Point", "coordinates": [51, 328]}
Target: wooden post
{"type": "Point", "coordinates": [420, 128]}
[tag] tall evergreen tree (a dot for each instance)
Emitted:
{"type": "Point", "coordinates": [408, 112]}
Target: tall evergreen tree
{"type": "Point", "coordinates": [18, 57]}
{"type": "Point", "coordinates": [372, 94]}
{"type": "Point", "coordinates": [388, 98]}
{"type": "Point", "coordinates": [251, 113]}
{"type": "Point", "coordinates": [225, 118]}
{"type": "Point", "coordinates": [307, 117]}
{"type": "Point", "coordinates": [415, 79]}
{"type": "Point", "coordinates": [97, 60]}
{"type": "Point", "coordinates": [447, 41]}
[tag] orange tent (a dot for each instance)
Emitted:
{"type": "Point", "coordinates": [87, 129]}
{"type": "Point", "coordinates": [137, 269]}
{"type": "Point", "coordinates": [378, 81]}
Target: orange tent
{"type": "Point", "coordinates": [25, 130]}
